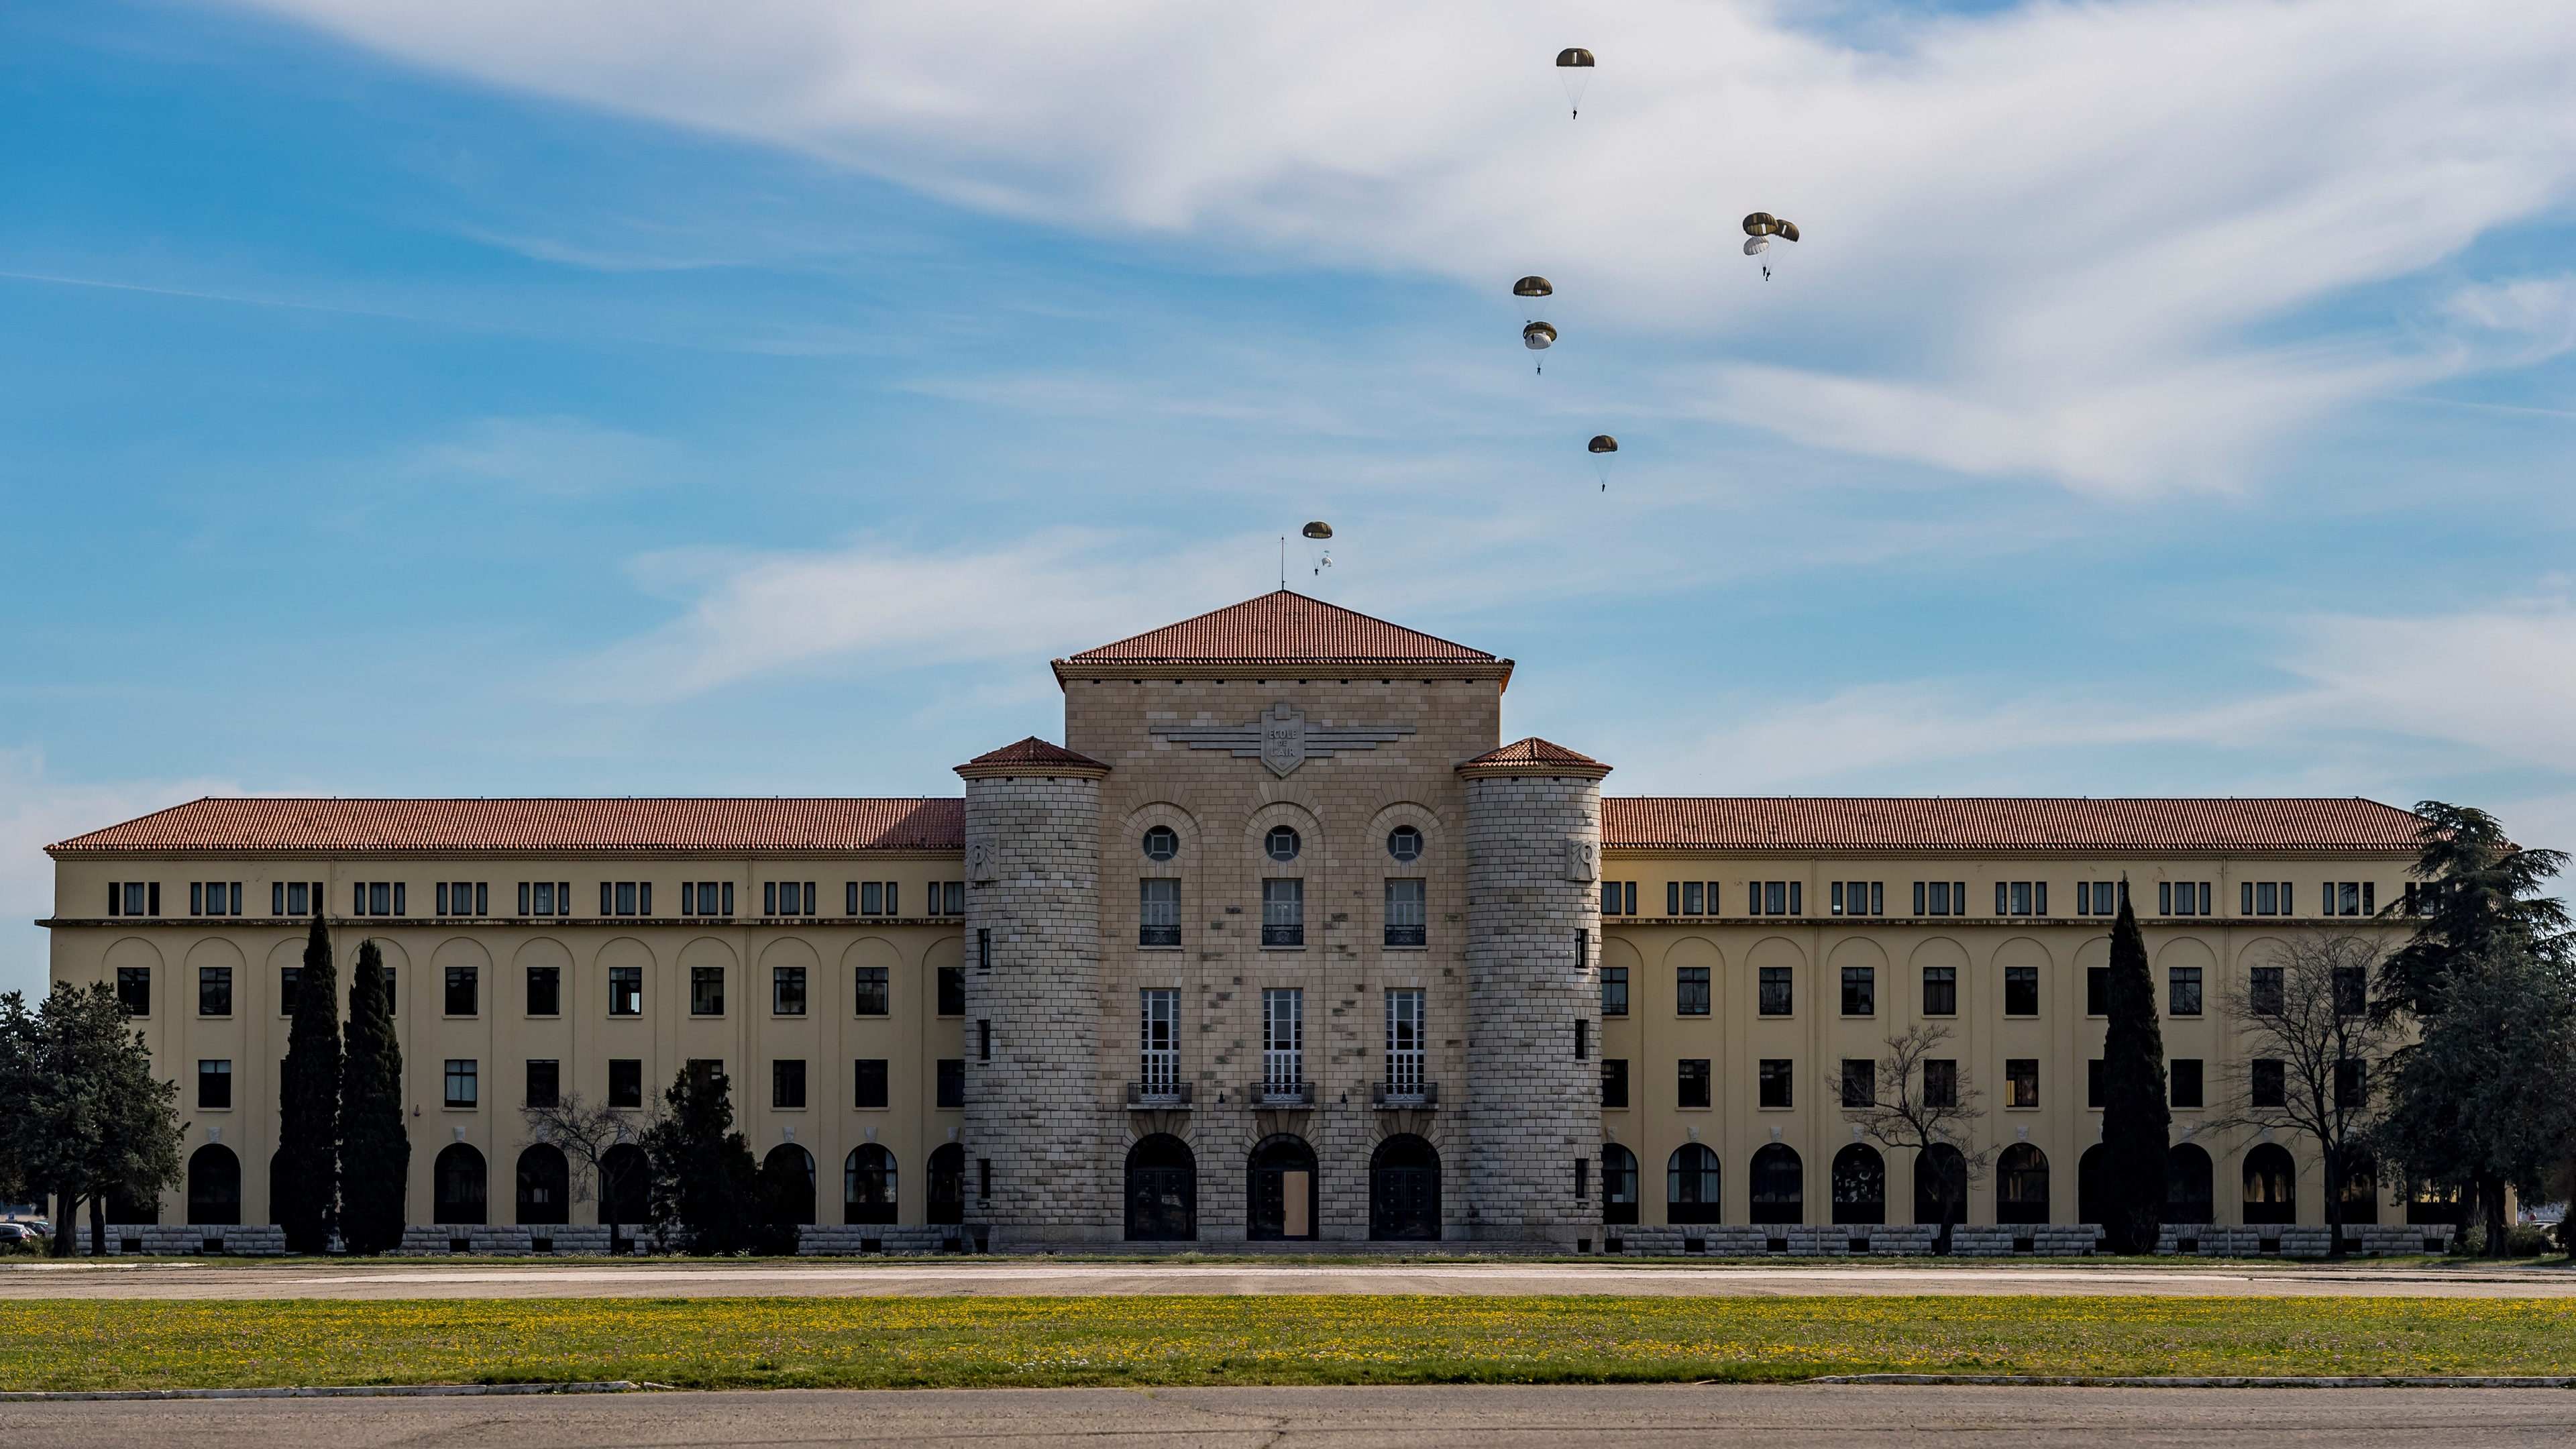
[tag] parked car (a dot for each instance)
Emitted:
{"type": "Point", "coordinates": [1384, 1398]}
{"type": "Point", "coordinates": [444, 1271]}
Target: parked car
{"type": "Point", "coordinates": [12, 1234]}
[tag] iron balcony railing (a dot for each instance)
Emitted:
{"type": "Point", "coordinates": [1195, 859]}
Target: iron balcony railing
{"type": "Point", "coordinates": [1404, 1094]}
{"type": "Point", "coordinates": [1158, 1094]}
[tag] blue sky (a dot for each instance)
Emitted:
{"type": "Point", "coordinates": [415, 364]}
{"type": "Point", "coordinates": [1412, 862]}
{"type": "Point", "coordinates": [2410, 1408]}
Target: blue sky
{"type": "Point", "coordinates": [484, 399]}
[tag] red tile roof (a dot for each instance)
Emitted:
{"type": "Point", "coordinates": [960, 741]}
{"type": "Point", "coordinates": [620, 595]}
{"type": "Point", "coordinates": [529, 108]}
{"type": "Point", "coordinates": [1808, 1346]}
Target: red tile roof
{"type": "Point", "coordinates": [1283, 628]}
{"type": "Point", "coordinates": [1535, 751]}
{"type": "Point", "coordinates": [1034, 751]}
{"type": "Point", "coordinates": [2007, 823]}
{"type": "Point", "coordinates": [550, 825]}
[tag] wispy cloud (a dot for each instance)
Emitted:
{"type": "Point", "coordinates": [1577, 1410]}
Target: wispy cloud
{"type": "Point", "coordinates": [38, 808]}
{"type": "Point", "coordinates": [562, 456]}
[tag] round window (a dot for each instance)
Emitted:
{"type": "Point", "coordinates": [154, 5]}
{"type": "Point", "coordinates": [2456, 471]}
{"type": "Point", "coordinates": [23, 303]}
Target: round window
{"type": "Point", "coordinates": [1404, 843]}
{"type": "Point", "coordinates": [1161, 843]}
{"type": "Point", "coordinates": [1282, 844]}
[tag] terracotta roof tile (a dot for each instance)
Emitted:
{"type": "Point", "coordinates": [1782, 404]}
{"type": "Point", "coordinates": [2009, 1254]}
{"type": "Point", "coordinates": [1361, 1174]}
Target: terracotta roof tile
{"type": "Point", "coordinates": [1283, 628]}
{"type": "Point", "coordinates": [1532, 751]}
{"type": "Point", "coordinates": [2006, 823]}
{"type": "Point", "coordinates": [552, 825]}
{"type": "Point", "coordinates": [1034, 751]}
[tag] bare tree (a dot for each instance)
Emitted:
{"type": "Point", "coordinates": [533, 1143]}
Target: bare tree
{"type": "Point", "coordinates": [2310, 1047]}
{"type": "Point", "coordinates": [589, 1134]}
{"type": "Point", "coordinates": [1921, 1102]}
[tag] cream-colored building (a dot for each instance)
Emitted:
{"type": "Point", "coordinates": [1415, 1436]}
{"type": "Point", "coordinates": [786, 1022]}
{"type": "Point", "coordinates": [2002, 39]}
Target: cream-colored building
{"type": "Point", "coordinates": [1283, 943]}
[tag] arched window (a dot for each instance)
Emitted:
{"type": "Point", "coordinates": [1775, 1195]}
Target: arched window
{"type": "Point", "coordinates": [276, 1185]}
{"type": "Point", "coordinates": [2191, 1193]}
{"type": "Point", "coordinates": [2360, 1191]}
{"type": "Point", "coordinates": [1779, 1185]}
{"type": "Point", "coordinates": [2088, 1186]}
{"type": "Point", "coordinates": [456, 1185]}
{"type": "Point", "coordinates": [1940, 1185]}
{"type": "Point", "coordinates": [867, 1185]}
{"type": "Point", "coordinates": [1690, 1185]}
{"type": "Point", "coordinates": [2430, 1203]}
{"type": "Point", "coordinates": [1162, 1190]}
{"type": "Point", "coordinates": [214, 1186]}
{"type": "Point", "coordinates": [1618, 1184]}
{"type": "Point", "coordinates": [1860, 1185]}
{"type": "Point", "coordinates": [787, 1186]}
{"type": "Point", "coordinates": [1282, 1194]}
{"type": "Point", "coordinates": [948, 1184]}
{"type": "Point", "coordinates": [2271, 1185]}
{"type": "Point", "coordinates": [545, 1186]}
{"type": "Point", "coordinates": [2021, 1185]}
{"type": "Point", "coordinates": [1404, 1189]}
{"type": "Point", "coordinates": [625, 1185]}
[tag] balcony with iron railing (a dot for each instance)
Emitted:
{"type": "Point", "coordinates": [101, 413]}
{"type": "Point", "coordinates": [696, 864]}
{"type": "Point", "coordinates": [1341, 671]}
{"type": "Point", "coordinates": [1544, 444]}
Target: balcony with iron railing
{"type": "Point", "coordinates": [1159, 1096]}
{"type": "Point", "coordinates": [1418, 1094]}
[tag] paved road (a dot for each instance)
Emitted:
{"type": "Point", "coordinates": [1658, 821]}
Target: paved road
{"type": "Point", "coordinates": [919, 1278]}
{"type": "Point", "coordinates": [1294, 1418]}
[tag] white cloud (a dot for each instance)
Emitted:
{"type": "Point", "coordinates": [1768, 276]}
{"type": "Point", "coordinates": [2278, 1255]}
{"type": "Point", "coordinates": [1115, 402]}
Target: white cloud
{"type": "Point", "coordinates": [2042, 241]}
{"type": "Point", "coordinates": [38, 808]}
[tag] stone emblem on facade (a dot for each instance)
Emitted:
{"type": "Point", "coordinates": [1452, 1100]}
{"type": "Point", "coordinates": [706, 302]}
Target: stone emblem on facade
{"type": "Point", "coordinates": [1582, 860]}
{"type": "Point", "coordinates": [1282, 739]}
{"type": "Point", "coordinates": [983, 860]}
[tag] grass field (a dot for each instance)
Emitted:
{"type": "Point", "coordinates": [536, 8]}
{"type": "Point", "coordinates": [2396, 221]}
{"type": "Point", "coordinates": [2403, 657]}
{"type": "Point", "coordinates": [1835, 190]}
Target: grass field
{"type": "Point", "coordinates": [975, 1342]}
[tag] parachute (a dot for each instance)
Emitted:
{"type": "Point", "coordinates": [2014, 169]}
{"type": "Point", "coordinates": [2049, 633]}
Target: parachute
{"type": "Point", "coordinates": [1538, 337]}
{"type": "Point", "coordinates": [1319, 529]}
{"type": "Point", "coordinates": [1574, 67]}
{"type": "Point", "coordinates": [1604, 450]}
{"type": "Point", "coordinates": [1533, 287]}
{"type": "Point", "coordinates": [1759, 228]}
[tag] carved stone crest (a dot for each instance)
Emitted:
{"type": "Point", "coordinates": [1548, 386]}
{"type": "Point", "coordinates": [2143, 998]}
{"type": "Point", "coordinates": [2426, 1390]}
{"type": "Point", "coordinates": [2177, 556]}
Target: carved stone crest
{"type": "Point", "coordinates": [1283, 739]}
{"type": "Point", "coordinates": [1582, 860]}
{"type": "Point", "coordinates": [983, 860]}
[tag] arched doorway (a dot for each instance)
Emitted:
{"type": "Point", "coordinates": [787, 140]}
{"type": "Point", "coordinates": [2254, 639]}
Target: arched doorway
{"type": "Point", "coordinates": [2360, 1192]}
{"type": "Point", "coordinates": [1618, 1184]}
{"type": "Point", "coordinates": [456, 1191]}
{"type": "Point", "coordinates": [1779, 1185]}
{"type": "Point", "coordinates": [1690, 1185]}
{"type": "Point", "coordinates": [1860, 1185]}
{"type": "Point", "coordinates": [1404, 1190]}
{"type": "Point", "coordinates": [2021, 1185]}
{"type": "Point", "coordinates": [1940, 1184]}
{"type": "Point", "coordinates": [787, 1186]}
{"type": "Point", "coordinates": [276, 1186]}
{"type": "Point", "coordinates": [2271, 1185]}
{"type": "Point", "coordinates": [214, 1186]}
{"type": "Point", "coordinates": [868, 1185]}
{"type": "Point", "coordinates": [545, 1186]}
{"type": "Point", "coordinates": [948, 1184]}
{"type": "Point", "coordinates": [625, 1185]}
{"type": "Point", "coordinates": [2191, 1186]}
{"type": "Point", "coordinates": [1281, 1198]}
{"type": "Point", "coordinates": [2088, 1186]}
{"type": "Point", "coordinates": [1162, 1190]}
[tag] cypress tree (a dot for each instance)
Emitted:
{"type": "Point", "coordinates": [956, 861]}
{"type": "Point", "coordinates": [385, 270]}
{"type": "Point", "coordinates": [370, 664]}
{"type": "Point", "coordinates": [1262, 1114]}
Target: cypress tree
{"type": "Point", "coordinates": [375, 1152]}
{"type": "Point", "coordinates": [308, 1106]}
{"type": "Point", "coordinates": [2135, 1117]}
{"type": "Point", "coordinates": [706, 1187]}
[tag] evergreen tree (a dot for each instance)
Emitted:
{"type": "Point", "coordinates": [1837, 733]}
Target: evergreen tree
{"type": "Point", "coordinates": [2135, 1117]}
{"type": "Point", "coordinates": [80, 1112]}
{"type": "Point", "coordinates": [375, 1152]}
{"type": "Point", "coordinates": [706, 1187]}
{"type": "Point", "coordinates": [2479, 894]}
{"type": "Point", "coordinates": [308, 1106]}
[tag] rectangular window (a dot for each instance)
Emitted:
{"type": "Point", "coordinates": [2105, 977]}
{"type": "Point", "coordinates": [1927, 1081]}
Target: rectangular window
{"type": "Point", "coordinates": [1940, 1083]}
{"type": "Point", "coordinates": [1408, 913]}
{"type": "Point", "coordinates": [1614, 991]}
{"type": "Point", "coordinates": [2182, 991]}
{"type": "Point", "coordinates": [1690, 990]}
{"type": "Point", "coordinates": [215, 1084]}
{"type": "Point", "coordinates": [952, 991]}
{"type": "Point", "coordinates": [1614, 1081]}
{"type": "Point", "coordinates": [380, 899]}
{"type": "Point", "coordinates": [787, 1084]}
{"type": "Point", "coordinates": [460, 1082]}
{"type": "Point", "coordinates": [2020, 902]}
{"type": "Point", "coordinates": [1582, 1179]}
{"type": "Point", "coordinates": [952, 898]}
{"type": "Point", "coordinates": [214, 991]}
{"type": "Point", "coordinates": [2093, 1084]}
{"type": "Point", "coordinates": [1778, 898]}
{"type": "Point", "coordinates": [2097, 991]}
{"type": "Point", "coordinates": [1775, 1081]}
{"type": "Point", "coordinates": [625, 1082]}
{"type": "Point", "coordinates": [952, 1081]}
{"type": "Point", "coordinates": [134, 989]}
{"type": "Point", "coordinates": [2021, 991]}
{"type": "Point", "coordinates": [288, 978]}
{"type": "Point", "coordinates": [1673, 897]}
{"type": "Point", "coordinates": [1860, 898]}
{"type": "Point", "coordinates": [1158, 913]}
{"type": "Point", "coordinates": [2269, 1084]}
{"type": "Point", "coordinates": [465, 898]}
{"type": "Point", "coordinates": [1693, 893]}
{"type": "Point", "coordinates": [277, 897]}
{"type": "Point", "coordinates": [869, 989]}
{"type": "Point", "coordinates": [463, 987]}
{"type": "Point", "coordinates": [1774, 989]}
{"type": "Point", "coordinates": [1283, 913]}
{"type": "Point", "coordinates": [626, 991]}
{"type": "Point", "coordinates": [872, 1082]}
{"type": "Point", "coordinates": [1941, 898]}
{"type": "Point", "coordinates": [1582, 1038]}
{"type": "Point", "coordinates": [983, 948]}
{"type": "Point", "coordinates": [2184, 1074]}
{"type": "Point", "coordinates": [2266, 992]}
{"type": "Point", "coordinates": [2021, 1078]}
{"type": "Point", "coordinates": [545, 1083]}
{"type": "Point", "coordinates": [545, 991]}
{"type": "Point", "coordinates": [706, 991]}
{"type": "Point", "coordinates": [2351, 991]}
{"type": "Point", "coordinates": [866, 899]}
{"type": "Point", "coordinates": [1407, 1058]}
{"type": "Point", "coordinates": [1618, 898]}
{"type": "Point", "coordinates": [1860, 1082]}
{"type": "Point", "coordinates": [393, 998]}
{"type": "Point", "coordinates": [1158, 1020]}
{"type": "Point", "coordinates": [2348, 1083]}
{"type": "Point", "coordinates": [787, 990]}
{"type": "Point", "coordinates": [1691, 1083]}
{"type": "Point", "coordinates": [984, 1040]}
{"type": "Point", "coordinates": [1940, 991]}
{"type": "Point", "coordinates": [1860, 991]}
{"type": "Point", "coordinates": [1283, 1040]}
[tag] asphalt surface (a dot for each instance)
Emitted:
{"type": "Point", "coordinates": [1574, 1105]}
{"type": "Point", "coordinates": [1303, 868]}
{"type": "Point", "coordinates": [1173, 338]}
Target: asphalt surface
{"type": "Point", "coordinates": [1341, 1418]}
{"type": "Point", "coordinates": [1005, 1277]}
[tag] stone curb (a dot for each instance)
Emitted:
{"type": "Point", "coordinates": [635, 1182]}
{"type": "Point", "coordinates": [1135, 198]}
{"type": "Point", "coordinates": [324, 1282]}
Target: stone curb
{"type": "Point", "coordinates": [2075, 1381]}
{"type": "Point", "coordinates": [372, 1391]}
